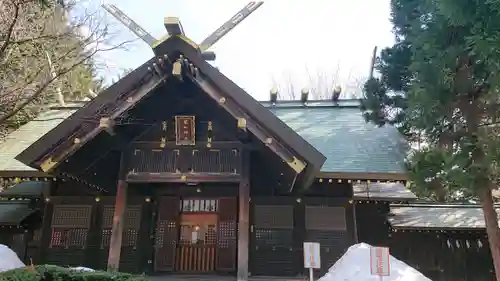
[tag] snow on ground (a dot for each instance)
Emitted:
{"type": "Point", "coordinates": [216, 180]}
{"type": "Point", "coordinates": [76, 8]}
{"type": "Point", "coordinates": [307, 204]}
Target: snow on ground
{"type": "Point", "coordinates": [81, 268]}
{"type": "Point", "coordinates": [354, 265]}
{"type": "Point", "coordinates": [9, 259]}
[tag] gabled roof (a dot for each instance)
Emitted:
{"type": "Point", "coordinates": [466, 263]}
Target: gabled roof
{"type": "Point", "coordinates": [112, 98]}
{"type": "Point", "coordinates": [383, 149]}
{"type": "Point", "coordinates": [433, 216]}
{"type": "Point", "coordinates": [29, 133]}
{"type": "Point", "coordinates": [340, 132]}
{"type": "Point", "coordinates": [27, 189]}
{"type": "Point", "coordinates": [13, 213]}
{"type": "Point", "coordinates": [389, 191]}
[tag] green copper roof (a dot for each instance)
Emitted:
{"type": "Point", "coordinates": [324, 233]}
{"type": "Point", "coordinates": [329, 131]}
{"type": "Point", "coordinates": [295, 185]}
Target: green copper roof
{"type": "Point", "coordinates": [26, 189]}
{"type": "Point", "coordinates": [337, 131]}
{"type": "Point", "coordinates": [27, 134]}
{"type": "Point", "coordinates": [342, 135]}
{"type": "Point", "coordinates": [14, 212]}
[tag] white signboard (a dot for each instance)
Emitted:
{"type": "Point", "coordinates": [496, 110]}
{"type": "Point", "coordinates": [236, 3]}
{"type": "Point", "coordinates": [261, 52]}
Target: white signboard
{"type": "Point", "coordinates": [379, 261]}
{"type": "Point", "coordinates": [312, 258]}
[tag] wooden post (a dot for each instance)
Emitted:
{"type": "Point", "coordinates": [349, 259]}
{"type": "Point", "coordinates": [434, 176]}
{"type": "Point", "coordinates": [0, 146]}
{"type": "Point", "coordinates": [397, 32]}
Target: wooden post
{"type": "Point", "coordinates": [46, 231]}
{"type": "Point", "coordinates": [355, 222]}
{"type": "Point", "coordinates": [243, 219]}
{"type": "Point", "coordinates": [115, 244]}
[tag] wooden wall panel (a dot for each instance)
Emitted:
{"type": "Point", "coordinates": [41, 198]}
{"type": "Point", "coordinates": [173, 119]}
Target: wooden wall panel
{"type": "Point", "coordinates": [166, 237]}
{"type": "Point", "coordinates": [226, 237]}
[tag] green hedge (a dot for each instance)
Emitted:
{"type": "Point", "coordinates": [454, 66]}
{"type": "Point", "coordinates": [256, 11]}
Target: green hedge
{"type": "Point", "coordinates": [56, 273]}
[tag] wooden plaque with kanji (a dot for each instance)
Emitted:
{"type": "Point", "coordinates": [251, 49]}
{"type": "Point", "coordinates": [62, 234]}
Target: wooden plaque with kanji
{"type": "Point", "coordinates": [185, 130]}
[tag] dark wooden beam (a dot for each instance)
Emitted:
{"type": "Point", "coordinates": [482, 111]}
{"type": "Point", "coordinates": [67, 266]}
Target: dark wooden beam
{"type": "Point", "coordinates": [265, 137]}
{"type": "Point", "coordinates": [173, 26]}
{"type": "Point", "coordinates": [50, 162]}
{"type": "Point", "coordinates": [198, 145]}
{"type": "Point", "coordinates": [36, 151]}
{"type": "Point", "coordinates": [182, 177]}
{"type": "Point", "coordinates": [244, 219]}
{"type": "Point", "coordinates": [115, 244]}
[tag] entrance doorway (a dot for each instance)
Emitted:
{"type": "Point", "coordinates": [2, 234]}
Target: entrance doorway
{"type": "Point", "coordinates": [196, 235]}
{"type": "Point", "coordinates": [197, 243]}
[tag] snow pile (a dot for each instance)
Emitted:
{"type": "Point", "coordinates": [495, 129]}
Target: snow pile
{"type": "Point", "coordinates": [354, 265]}
{"type": "Point", "coordinates": [9, 259]}
{"type": "Point", "coordinates": [81, 268]}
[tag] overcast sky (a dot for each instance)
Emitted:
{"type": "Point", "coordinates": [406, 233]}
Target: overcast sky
{"type": "Point", "coordinates": [283, 41]}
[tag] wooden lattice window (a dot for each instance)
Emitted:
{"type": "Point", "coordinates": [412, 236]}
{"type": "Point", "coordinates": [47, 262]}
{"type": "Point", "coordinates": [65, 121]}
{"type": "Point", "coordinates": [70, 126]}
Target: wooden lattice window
{"type": "Point", "coordinates": [71, 216]}
{"type": "Point", "coordinates": [227, 233]}
{"type": "Point", "coordinates": [274, 216]}
{"type": "Point", "coordinates": [68, 238]}
{"type": "Point", "coordinates": [325, 218]}
{"type": "Point", "coordinates": [132, 220]}
{"type": "Point", "coordinates": [211, 235]}
{"type": "Point", "coordinates": [70, 225]}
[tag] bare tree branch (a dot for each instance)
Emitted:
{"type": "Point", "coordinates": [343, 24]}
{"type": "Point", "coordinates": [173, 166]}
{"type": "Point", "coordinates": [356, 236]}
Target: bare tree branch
{"type": "Point", "coordinates": [10, 30]}
{"type": "Point", "coordinates": [42, 87]}
{"type": "Point", "coordinates": [72, 45]}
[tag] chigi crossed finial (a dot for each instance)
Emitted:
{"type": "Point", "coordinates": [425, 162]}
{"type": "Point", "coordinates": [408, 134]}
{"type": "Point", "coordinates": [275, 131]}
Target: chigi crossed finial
{"type": "Point", "coordinates": [174, 27]}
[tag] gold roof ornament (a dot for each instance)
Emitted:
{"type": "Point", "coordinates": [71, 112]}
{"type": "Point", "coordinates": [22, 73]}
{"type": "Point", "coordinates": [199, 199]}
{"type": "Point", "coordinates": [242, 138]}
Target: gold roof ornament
{"type": "Point", "coordinates": [273, 95]}
{"type": "Point", "coordinates": [336, 93]}
{"type": "Point", "coordinates": [304, 94]}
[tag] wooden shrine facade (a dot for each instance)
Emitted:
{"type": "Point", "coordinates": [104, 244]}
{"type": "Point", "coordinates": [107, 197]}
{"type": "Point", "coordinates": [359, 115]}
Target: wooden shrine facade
{"type": "Point", "coordinates": [175, 169]}
{"type": "Point", "coordinates": [180, 228]}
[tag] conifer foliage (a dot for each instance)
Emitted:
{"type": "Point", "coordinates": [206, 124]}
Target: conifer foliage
{"type": "Point", "coordinates": [439, 84]}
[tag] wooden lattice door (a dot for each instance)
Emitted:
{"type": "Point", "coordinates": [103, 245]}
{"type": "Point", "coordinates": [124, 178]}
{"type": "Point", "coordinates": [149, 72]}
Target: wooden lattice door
{"type": "Point", "coordinates": [272, 238]}
{"type": "Point", "coordinates": [327, 225]}
{"type": "Point", "coordinates": [166, 233]}
{"type": "Point", "coordinates": [226, 238]}
{"type": "Point", "coordinates": [70, 225]}
{"type": "Point", "coordinates": [130, 235]}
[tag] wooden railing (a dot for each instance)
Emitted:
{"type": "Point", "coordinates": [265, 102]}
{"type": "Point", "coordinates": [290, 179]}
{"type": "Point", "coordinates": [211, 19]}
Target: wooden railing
{"type": "Point", "coordinates": [195, 258]}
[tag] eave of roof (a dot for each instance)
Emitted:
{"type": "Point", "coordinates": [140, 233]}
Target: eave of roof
{"type": "Point", "coordinates": [32, 131]}
{"type": "Point", "coordinates": [14, 212]}
{"type": "Point", "coordinates": [354, 148]}
{"type": "Point", "coordinates": [37, 149]}
{"type": "Point", "coordinates": [22, 138]}
{"type": "Point", "coordinates": [26, 189]}
{"type": "Point", "coordinates": [382, 191]}
{"type": "Point", "coordinates": [435, 216]}
{"type": "Point", "coordinates": [174, 45]}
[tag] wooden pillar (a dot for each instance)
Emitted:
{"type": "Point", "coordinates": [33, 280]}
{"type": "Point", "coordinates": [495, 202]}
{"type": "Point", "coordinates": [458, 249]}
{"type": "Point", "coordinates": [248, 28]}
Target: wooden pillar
{"type": "Point", "coordinates": [115, 244]}
{"type": "Point", "coordinates": [243, 219]}
{"type": "Point", "coordinates": [46, 230]}
{"type": "Point", "coordinates": [145, 238]}
{"type": "Point", "coordinates": [94, 236]}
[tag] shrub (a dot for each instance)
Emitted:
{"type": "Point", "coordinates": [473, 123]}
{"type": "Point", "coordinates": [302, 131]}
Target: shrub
{"type": "Point", "coordinates": [57, 273]}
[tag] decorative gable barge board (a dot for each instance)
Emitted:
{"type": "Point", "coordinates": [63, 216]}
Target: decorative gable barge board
{"type": "Point", "coordinates": [173, 45]}
{"type": "Point", "coordinates": [36, 151]}
{"type": "Point", "coordinates": [250, 106]}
